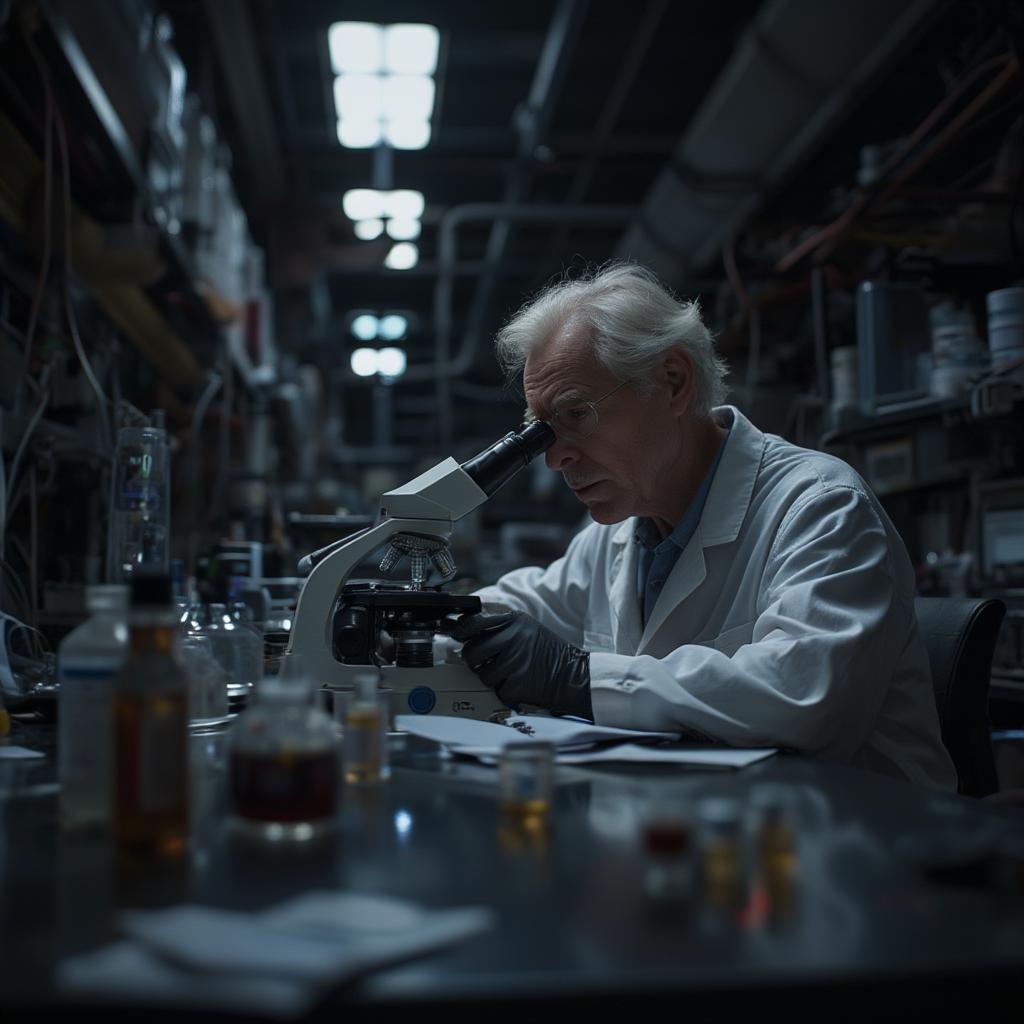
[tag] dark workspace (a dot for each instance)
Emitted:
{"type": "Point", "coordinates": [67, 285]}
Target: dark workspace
{"type": "Point", "coordinates": [511, 508]}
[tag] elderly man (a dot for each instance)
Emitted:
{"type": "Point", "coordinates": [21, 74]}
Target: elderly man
{"type": "Point", "coordinates": [732, 585]}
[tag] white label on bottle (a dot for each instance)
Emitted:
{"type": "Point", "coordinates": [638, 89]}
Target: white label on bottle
{"type": "Point", "coordinates": [85, 741]}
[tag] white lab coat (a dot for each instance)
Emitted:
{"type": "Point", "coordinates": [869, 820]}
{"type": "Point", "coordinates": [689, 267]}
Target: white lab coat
{"type": "Point", "coordinates": [787, 621]}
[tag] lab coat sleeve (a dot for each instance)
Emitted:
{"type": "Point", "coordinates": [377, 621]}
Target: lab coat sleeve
{"type": "Point", "coordinates": [814, 669]}
{"type": "Point", "coordinates": [556, 596]}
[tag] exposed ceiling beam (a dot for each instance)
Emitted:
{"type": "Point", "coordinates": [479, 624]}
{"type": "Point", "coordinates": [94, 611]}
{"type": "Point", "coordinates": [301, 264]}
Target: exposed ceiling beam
{"type": "Point", "coordinates": [239, 60]}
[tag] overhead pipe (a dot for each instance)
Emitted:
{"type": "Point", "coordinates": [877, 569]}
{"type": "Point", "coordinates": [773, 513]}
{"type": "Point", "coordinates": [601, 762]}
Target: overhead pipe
{"type": "Point", "coordinates": [443, 368]}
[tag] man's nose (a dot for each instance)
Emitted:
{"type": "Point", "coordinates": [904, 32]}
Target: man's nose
{"type": "Point", "coordinates": [561, 455]}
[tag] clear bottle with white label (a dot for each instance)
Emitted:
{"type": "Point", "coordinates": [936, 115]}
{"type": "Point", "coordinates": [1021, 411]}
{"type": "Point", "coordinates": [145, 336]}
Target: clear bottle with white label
{"type": "Point", "coordinates": [87, 660]}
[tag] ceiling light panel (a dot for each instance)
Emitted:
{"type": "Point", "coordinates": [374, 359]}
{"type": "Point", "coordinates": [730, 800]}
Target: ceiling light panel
{"type": "Point", "coordinates": [403, 203]}
{"type": "Point", "coordinates": [360, 97]}
{"type": "Point", "coordinates": [364, 362]}
{"type": "Point", "coordinates": [410, 49]}
{"type": "Point", "coordinates": [404, 229]}
{"type": "Point", "coordinates": [393, 326]}
{"type": "Point", "coordinates": [364, 203]}
{"type": "Point", "coordinates": [403, 256]}
{"type": "Point", "coordinates": [359, 134]}
{"type": "Point", "coordinates": [391, 362]}
{"type": "Point", "coordinates": [356, 47]}
{"type": "Point", "coordinates": [406, 97]}
{"type": "Point", "coordinates": [368, 229]}
{"type": "Point", "coordinates": [366, 327]}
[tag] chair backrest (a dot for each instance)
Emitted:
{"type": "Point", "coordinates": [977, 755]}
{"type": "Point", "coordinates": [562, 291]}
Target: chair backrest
{"type": "Point", "coordinates": [960, 634]}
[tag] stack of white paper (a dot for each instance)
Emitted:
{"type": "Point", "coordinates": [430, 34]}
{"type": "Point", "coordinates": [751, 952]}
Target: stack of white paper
{"type": "Point", "coordinates": [577, 742]}
{"type": "Point", "coordinates": [277, 963]}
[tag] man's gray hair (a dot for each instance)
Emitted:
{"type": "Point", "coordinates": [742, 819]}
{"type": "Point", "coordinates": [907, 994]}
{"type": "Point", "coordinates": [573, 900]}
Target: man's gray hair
{"type": "Point", "coordinates": [633, 318]}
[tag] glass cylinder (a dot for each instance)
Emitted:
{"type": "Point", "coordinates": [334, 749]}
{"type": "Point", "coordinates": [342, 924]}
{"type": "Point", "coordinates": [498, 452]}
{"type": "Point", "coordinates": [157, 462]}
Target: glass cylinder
{"type": "Point", "coordinates": [140, 509]}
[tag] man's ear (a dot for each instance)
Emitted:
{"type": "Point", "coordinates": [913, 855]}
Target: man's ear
{"type": "Point", "coordinates": [676, 375]}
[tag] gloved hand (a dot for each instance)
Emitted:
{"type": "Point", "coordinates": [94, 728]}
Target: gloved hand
{"type": "Point", "coordinates": [524, 663]}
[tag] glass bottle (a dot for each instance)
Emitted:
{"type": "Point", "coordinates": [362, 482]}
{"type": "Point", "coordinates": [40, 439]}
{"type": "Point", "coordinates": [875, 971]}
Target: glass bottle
{"type": "Point", "coordinates": [251, 643]}
{"type": "Point", "coordinates": [151, 730]}
{"type": "Point", "coordinates": [87, 660]}
{"type": "Point", "coordinates": [283, 764]}
{"type": "Point", "coordinates": [208, 689]}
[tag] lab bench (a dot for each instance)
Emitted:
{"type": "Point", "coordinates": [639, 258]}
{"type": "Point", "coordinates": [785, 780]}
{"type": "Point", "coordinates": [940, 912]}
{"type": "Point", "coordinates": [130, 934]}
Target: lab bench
{"type": "Point", "coordinates": [896, 897]}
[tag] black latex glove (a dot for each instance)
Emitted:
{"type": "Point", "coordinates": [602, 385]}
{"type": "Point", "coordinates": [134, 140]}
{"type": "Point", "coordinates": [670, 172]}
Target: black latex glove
{"type": "Point", "coordinates": [524, 663]}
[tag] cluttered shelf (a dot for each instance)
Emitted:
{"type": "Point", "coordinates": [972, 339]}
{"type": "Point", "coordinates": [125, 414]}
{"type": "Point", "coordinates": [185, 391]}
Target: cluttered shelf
{"type": "Point", "coordinates": [156, 234]}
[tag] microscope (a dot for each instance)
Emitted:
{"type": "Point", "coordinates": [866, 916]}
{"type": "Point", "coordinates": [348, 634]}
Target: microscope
{"type": "Point", "coordinates": [340, 627]}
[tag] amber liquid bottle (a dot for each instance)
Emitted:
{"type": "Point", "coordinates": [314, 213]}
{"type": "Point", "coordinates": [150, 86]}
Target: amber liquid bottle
{"type": "Point", "coordinates": [151, 818]}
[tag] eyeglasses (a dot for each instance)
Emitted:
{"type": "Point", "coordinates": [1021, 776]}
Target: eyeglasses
{"type": "Point", "coordinates": [573, 419]}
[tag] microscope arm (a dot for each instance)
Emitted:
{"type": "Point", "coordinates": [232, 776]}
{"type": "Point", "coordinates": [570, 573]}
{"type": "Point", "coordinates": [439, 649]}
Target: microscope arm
{"type": "Point", "coordinates": [311, 645]}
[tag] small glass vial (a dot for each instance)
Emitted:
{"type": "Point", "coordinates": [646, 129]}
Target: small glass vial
{"type": "Point", "coordinates": [283, 765]}
{"type": "Point", "coordinates": [526, 781]}
{"type": "Point", "coordinates": [720, 830]}
{"type": "Point", "coordinates": [667, 834]}
{"type": "Point", "coordinates": [774, 828]}
{"type": "Point", "coordinates": [364, 743]}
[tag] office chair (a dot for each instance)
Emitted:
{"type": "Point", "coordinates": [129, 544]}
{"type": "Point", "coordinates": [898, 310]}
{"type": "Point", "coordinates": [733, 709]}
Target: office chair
{"type": "Point", "coordinates": [960, 634]}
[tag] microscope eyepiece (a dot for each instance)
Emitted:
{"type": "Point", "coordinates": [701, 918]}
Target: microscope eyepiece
{"type": "Point", "coordinates": [496, 465]}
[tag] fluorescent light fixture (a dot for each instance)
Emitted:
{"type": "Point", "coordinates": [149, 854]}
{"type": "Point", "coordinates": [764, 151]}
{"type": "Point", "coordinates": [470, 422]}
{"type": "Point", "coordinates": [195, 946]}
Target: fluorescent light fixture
{"type": "Point", "coordinates": [407, 134]}
{"type": "Point", "coordinates": [364, 362]}
{"type": "Point", "coordinates": [391, 362]}
{"type": "Point", "coordinates": [403, 256]}
{"type": "Point", "coordinates": [404, 229]}
{"type": "Point", "coordinates": [363, 203]}
{"type": "Point", "coordinates": [406, 97]}
{"type": "Point", "coordinates": [368, 228]}
{"type": "Point", "coordinates": [359, 134]}
{"type": "Point", "coordinates": [403, 204]}
{"type": "Point", "coordinates": [360, 97]}
{"type": "Point", "coordinates": [410, 49]}
{"type": "Point", "coordinates": [366, 327]}
{"type": "Point", "coordinates": [393, 326]}
{"type": "Point", "coordinates": [356, 46]}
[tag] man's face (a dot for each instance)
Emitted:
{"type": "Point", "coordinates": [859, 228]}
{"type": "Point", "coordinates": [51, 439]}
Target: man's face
{"type": "Point", "coordinates": [619, 470]}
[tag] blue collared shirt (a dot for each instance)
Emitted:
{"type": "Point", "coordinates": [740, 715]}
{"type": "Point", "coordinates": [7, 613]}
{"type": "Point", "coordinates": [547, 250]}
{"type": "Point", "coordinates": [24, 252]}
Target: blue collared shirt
{"type": "Point", "coordinates": [658, 557]}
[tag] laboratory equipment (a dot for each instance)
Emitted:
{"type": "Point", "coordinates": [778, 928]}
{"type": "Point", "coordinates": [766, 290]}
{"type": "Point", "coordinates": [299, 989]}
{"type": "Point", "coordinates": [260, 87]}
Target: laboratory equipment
{"type": "Point", "coordinates": [892, 333]}
{"type": "Point", "coordinates": [341, 627]}
{"type": "Point", "coordinates": [140, 509]}
{"type": "Point", "coordinates": [87, 660]}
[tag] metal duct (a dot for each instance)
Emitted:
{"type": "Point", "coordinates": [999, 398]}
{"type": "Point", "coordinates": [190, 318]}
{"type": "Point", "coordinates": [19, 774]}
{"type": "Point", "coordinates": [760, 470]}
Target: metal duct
{"type": "Point", "coordinates": [799, 68]}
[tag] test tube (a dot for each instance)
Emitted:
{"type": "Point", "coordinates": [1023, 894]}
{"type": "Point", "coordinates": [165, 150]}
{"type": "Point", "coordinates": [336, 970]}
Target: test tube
{"type": "Point", "coordinates": [364, 739]}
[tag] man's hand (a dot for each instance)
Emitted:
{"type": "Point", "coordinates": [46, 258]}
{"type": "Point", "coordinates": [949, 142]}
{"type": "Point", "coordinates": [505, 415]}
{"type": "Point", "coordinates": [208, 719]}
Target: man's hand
{"type": "Point", "coordinates": [524, 663]}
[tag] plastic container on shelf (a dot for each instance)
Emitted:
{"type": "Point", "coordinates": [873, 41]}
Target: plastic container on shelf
{"type": "Point", "coordinates": [87, 660]}
{"type": "Point", "coordinates": [1005, 309]}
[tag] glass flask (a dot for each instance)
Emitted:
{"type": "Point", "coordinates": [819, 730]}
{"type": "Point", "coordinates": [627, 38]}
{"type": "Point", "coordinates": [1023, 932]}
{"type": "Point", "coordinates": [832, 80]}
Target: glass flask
{"type": "Point", "coordinates": [283, 764]}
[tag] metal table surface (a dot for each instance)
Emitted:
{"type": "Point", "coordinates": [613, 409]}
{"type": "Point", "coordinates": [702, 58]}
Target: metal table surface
{"type": "Point", "coordinates": [577, 928]}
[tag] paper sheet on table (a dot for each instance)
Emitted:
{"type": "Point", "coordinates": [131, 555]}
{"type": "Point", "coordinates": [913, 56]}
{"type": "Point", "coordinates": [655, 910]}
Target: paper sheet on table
{"type": "Point", "coordinates": [277, 962]}
{"type": "Point", "coordinates": [18, 753]}
{"type": "Point", "coordinates": [715, 757]}
{"type": "Point", "coordinates": [487, 738]}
